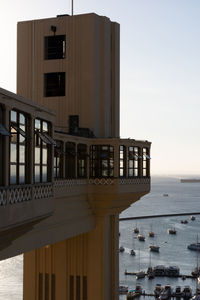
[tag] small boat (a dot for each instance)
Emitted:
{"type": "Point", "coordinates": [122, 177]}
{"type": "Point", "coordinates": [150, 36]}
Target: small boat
{"type": "Point", "coordinates": [121, 249]}
{"type": "Point", "coordinates": [187, 292]}
{"type": "Point", "coordinates": [184, 221]}
{"type": "Point", "coordinates": [136, 230]}
{"type": "Point", "coordinates": [151, 234]}
{"type": "Point", "coordinates": [140, 274]}
{"type": "Point", "coordinates": [141, 237]}
{"type": "Point", "coordinates": [196, 272]}
{"type": "Point", "coordinates": [154, 248]}
{"type": "Point", "coordinates": [172, 231]}
{"type": "Point", "coordinates": [178, 292]}
{"type": "Point", "coordinates": [132, 295]}
{"type": "Point", "coordinates": [165, 195]}
{"type": "Point", "coordinates": [166, 293]}
{"type": "Point", "coordinates": [123, 289]}
{"type": "Point", "coordinates": [150, 273]}
{"type": "Point", "coordinates": [192, 218]}
{"type": "Point", "coordinates": [158, 289]}
{"type": "Point", "coordinates": [138, 288]}
{"type": "Point", "coordinates": [132, 252]}
{"type": "Point", "coordinates": [194, 246]}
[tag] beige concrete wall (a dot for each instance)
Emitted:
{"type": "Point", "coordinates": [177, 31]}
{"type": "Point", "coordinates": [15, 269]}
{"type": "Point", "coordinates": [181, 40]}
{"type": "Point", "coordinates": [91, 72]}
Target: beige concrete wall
{"type": "Point", "coordinates": [94, 255]}
{"type": "Point", "coordinates": [91, 66]}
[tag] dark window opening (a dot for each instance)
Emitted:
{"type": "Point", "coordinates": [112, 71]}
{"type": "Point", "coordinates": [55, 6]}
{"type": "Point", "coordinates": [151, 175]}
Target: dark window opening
{"type": "Point", "coordinates": [122, 161]}
{"type": "Point", "coordinates": [71, 287]}
{"type": "Point", "coordinates": [58, 160]}
{"type": "Point", "coordinates": [70, 160]}
{"type": "Point", "coordinates": [40, 286]}
{"type": "Point", "coordinates": [54, 84]}
{"type": "Point", "coordinates": [18, 148]}
{"type": "Point", "coordinates": [46, 286]}
{"type": "Point", "coordinates": [101, 161]}
{"type": "Point", "coordinates": [53, 287]}
{"type": "Point", "coordinates": [78, 288]}
{"type": "Point", "coordinates": [55, 47]}
{"type": "Point", "coordinates": [84, 288]}
{"type": "Point", "coordinates": [81, 161]}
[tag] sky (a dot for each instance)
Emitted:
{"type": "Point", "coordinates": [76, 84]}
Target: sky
{"type": "Point", "coordinates": [160, 70]}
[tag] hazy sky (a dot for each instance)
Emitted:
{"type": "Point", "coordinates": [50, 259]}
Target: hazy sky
{"type": "Point", "coordinates": [160, 70]}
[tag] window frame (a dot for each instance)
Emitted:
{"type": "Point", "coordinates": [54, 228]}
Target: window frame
{"type": "Point", "coordinates": [57, 54]}
{"type": "Point", "coordinates": [101, 161]}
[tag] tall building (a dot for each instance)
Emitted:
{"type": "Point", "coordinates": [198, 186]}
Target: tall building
{"type": "Point", "coordinates": [66, 174]}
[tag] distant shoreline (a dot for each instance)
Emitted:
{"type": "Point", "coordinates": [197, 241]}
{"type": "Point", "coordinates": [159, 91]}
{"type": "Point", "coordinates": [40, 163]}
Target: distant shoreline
{"type": "Point", "coordinates": [157, 216]}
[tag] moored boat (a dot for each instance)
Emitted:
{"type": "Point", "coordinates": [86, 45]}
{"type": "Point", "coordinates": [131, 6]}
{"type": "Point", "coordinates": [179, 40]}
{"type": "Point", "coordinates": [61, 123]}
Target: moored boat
{"type": "Point", "coordinates": [154, 248]}
{"type": "Point", "coordinates": [140, 275]}
{"type": "Point", "coordinates": [187, 292]}
{"type": "Point", "coordinates": [178, 292]}
{"type": "Point", "coordinates": [194, 246]}
{"type": "Point", "coordinates": [166, 293]}
{"type": "Point", "coordinates": [141, 237]}
{"type": "Point", "coordinates": [158, 289]}
{"type": "Point", "coordinates": [172, 231]}
{"type": "Point", "coordinates": [123, 289]}
{"type": "Point", "coordinates": [121, 249]}
{"type": "Point", "coordinates": [192, 218]}
{"type": "Point", "coordinates": [132, 252]}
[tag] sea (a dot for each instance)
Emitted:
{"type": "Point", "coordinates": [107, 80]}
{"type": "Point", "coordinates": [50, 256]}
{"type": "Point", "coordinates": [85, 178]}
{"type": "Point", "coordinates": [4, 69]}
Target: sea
{"type": "Point", "coordinates": [182, 198]}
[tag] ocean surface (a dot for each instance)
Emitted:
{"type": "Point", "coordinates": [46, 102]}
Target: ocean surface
{"type": "Point", "coordinates": [182, 197]}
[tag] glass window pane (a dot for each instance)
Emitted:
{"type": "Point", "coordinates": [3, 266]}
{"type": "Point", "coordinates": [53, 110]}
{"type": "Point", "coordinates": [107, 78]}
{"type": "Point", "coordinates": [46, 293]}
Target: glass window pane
{"type": "Point", "coordinates": [37, 124]}
{"type": "Point", "coordinates": [130, 172]}
{"type": "Point", "coordinates": [14, 135]}
{"type": "Point", "coordinates": [21, 119]}
{"type": "Point", "coordinates": [105, 173]}
{"type": "Point", "coordinates": [130, 163]}
{"type": "Point", "coordinates": [121, 173]}
{"type": "Point", "coordinates": [135, 172]}
{"type": "Point", "coordinates": [54, 172]}
{"type": "Point", "coordinates": [22, 154]}
{"type": "Point", "coordinates": [44, 156]}
{"type": "Point", "coordinates": [44, 126]}
{"type": "Point", "coordinates": [44, 173]}
{"type": "Point", "coordinates": [144, 172]}
{"type": "Point", "coordinates": [54, 161]}
{"type": "Point", "coordinates": [144, 164]}
{"type": "Point", "coordinates": [13, 116]}
{"type": "Point", "coordinates": [37, 155]}
{"type": "Point", "coordinates": [111, 172]}
{"type": "Point", "coordinates": [22, 174]}
{"type": "Point", "coordinates": [13, 177]}
{"type": "Point", "coordinates": [13, 152]}
{"type": "Point", "coordinates": [135, 164]}
{"type": "Point", "coordinates": [37, 173]}
{"type": "Point", "coordinates": [121, 164]}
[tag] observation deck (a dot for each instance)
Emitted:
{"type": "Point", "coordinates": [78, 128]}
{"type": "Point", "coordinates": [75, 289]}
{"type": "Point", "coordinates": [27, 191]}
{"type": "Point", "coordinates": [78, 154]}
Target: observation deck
{"type": "Point", "coordinates": [54, 185]}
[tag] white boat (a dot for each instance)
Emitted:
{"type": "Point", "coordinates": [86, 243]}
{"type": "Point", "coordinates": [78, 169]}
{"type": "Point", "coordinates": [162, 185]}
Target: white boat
{"type": "Point", "coordinates": [121, 249]}
{"type": "Point", "coordinates": [187, 292]}
{"type": "Point", "coordinates": [132, 252]}
{"type": "Point", "coordinates": [141, 237]}
{"type": "Point", "coordinates": [154, 248]}
{"type": "Point", "coordinates": [123, 289]}
{"type": "Point", "coordinates": [158, 289]}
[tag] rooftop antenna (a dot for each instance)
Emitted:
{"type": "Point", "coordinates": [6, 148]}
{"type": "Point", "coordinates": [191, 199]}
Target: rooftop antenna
{"type": "Point", "coordinates": [72, 7]}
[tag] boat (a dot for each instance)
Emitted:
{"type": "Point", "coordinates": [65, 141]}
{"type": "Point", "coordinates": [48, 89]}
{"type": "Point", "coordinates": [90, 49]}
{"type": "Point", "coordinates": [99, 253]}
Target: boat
{"type": "Point", "coordinates": [172, 231]}
{"type": "Point", "coordinates": [192, 218]}
{"type": "Point", "coordinates": [165, 195]}
{"type": "Point", "coordinates": [151, 233]}
{"type": "Point", "coordinates": [187, 292]}
{"type": "Point", "coordinates": [194, 180]}
{"type": "Point", "coordinates": [150, 273]}
{"type": "Point", "coordinates": [132, 252]}
{"type": "Point", "coordinates": [158, 289]}
{"type": "Point", "coordinates": [194, 246]}
{"type": "Point", "coordinates": [123, 289]}
{"type": "Point", "coordinates": [196, 272]}
{"type": "Point", "coordinates": [159, 270]}
{"type": "Point", "coordinates": [140, 275]}
{"type": "Point", "coordinates": [184, 221]}
{"type": "Point", "coordinates": [141, 237]}
{"type": "Point", "coordinates": [136, 230]}
{"type": "Point", "coordinates": [138, 288]}
{"type": "Point", "coordinates": [154, 248]}
{"type": "Point", "coordinates": [132, 295]}
{"type": "Point", "coordinates": [172, 271]}
{"type": "Point", "coordinates": [178, 292]}
{"type": "Point", "coordinates": [166, 293]}
{"type": "Point", "coordinates": [121, 249]}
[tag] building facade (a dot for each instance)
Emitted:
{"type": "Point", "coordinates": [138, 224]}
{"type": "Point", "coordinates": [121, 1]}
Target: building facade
{"type": "Point", "coordinates": [66, 174]}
